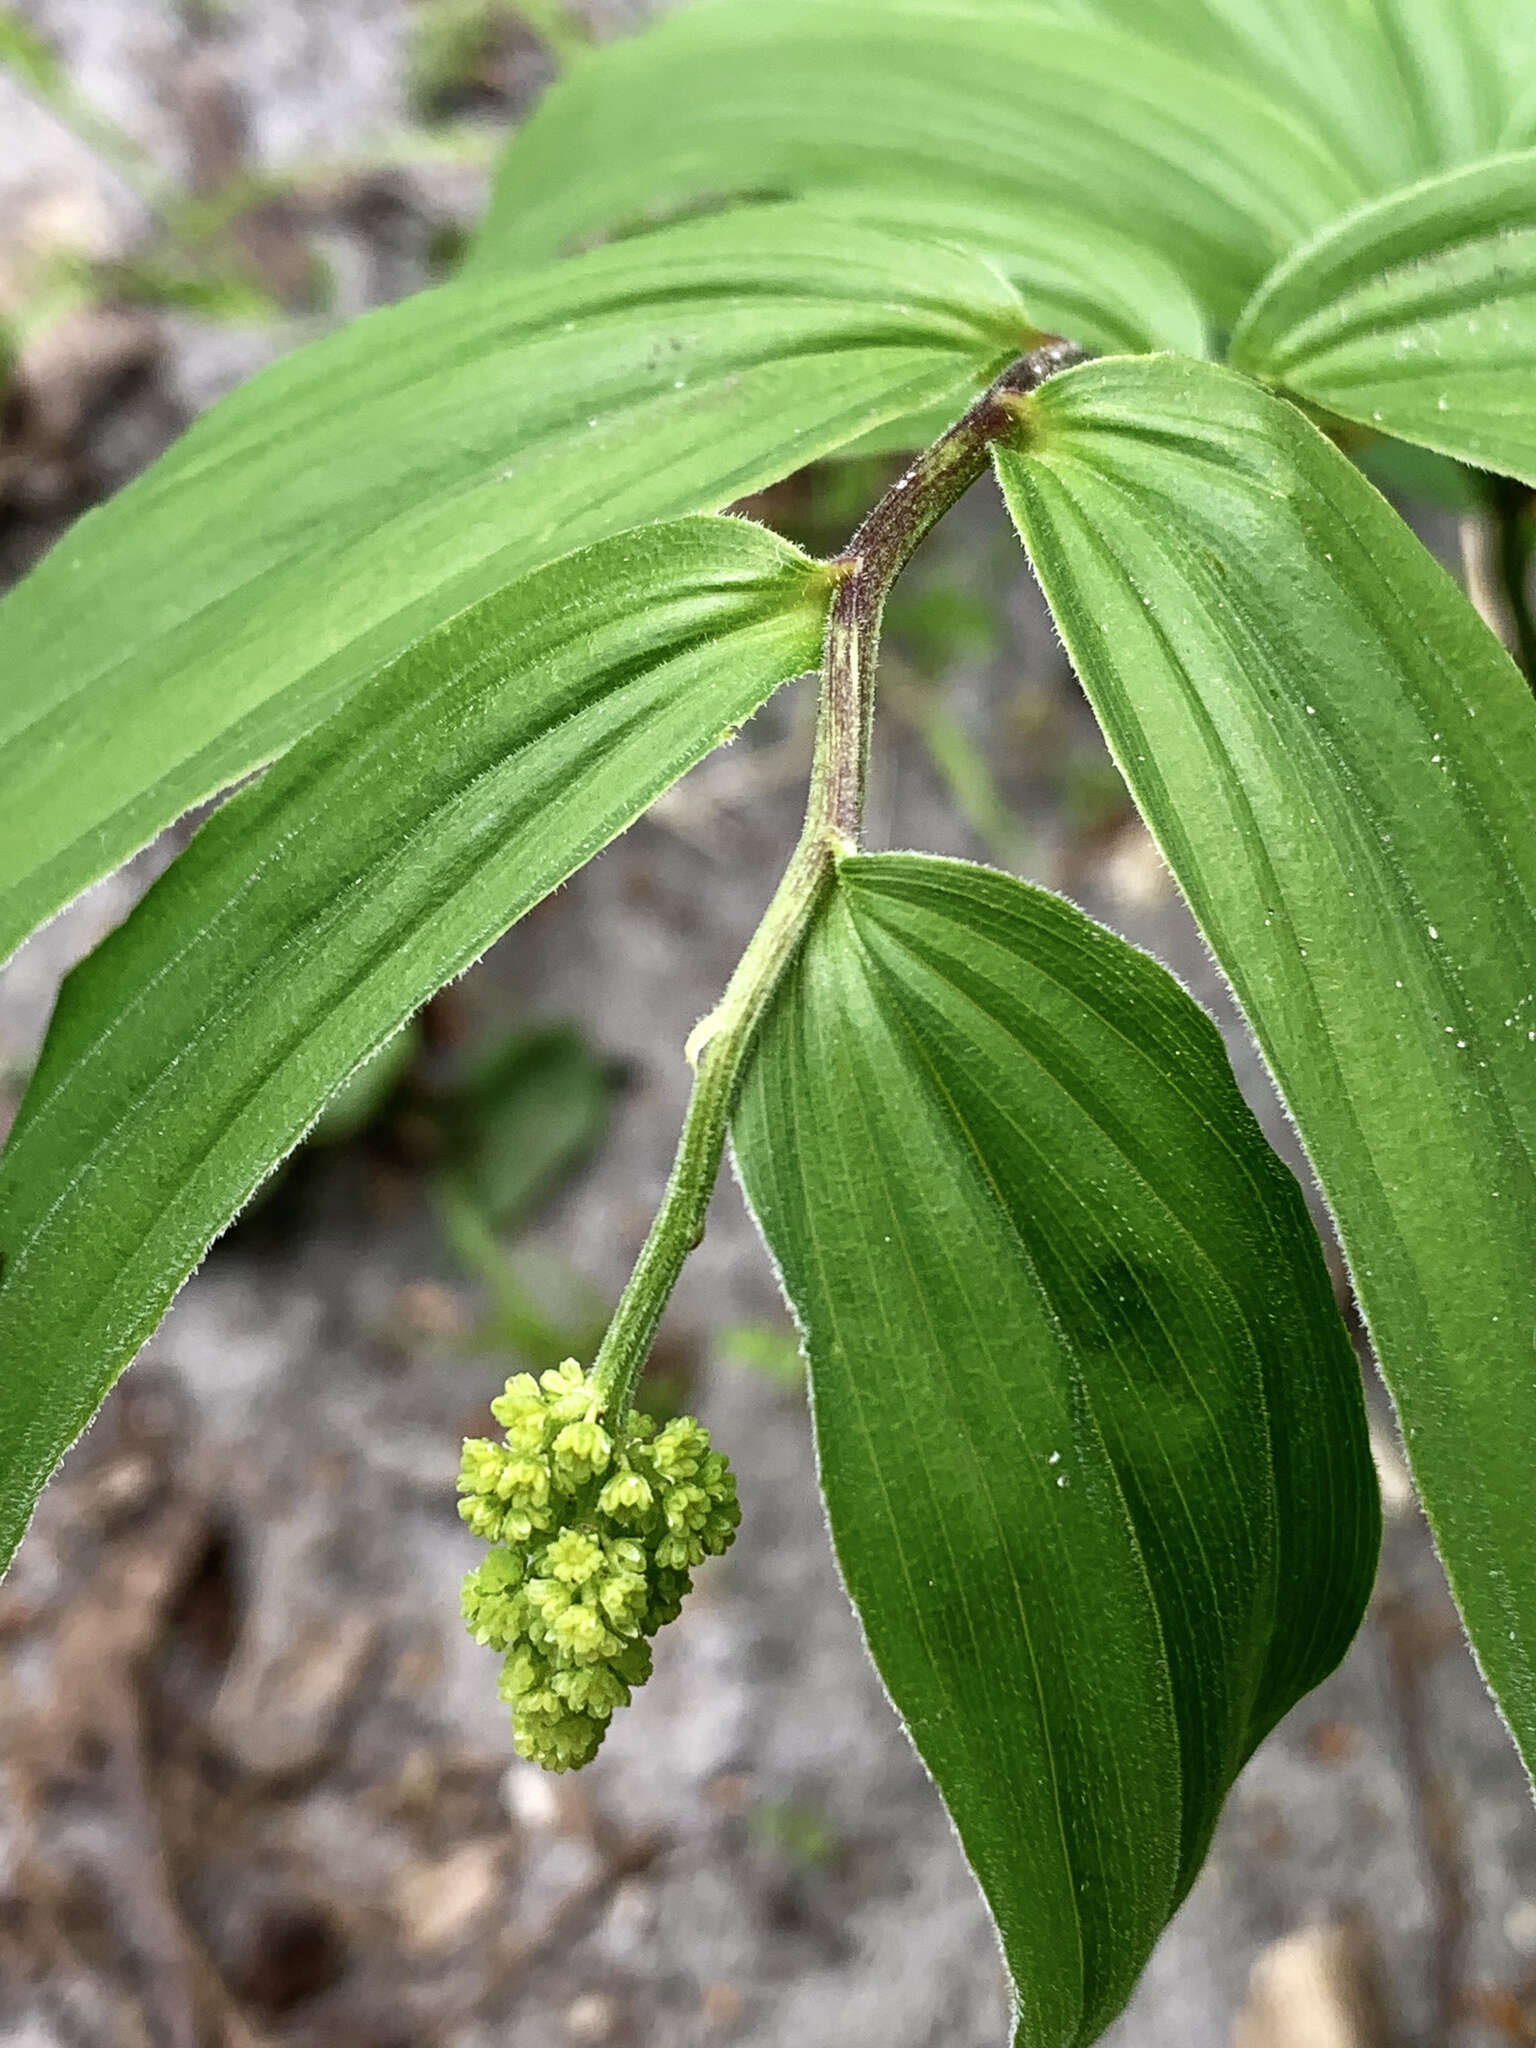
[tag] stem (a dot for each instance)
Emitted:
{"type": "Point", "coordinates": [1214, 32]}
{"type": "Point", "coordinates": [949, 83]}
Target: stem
{"type": "Point", "coordinates": [863, 576]}
{"type": "Point", "coordinates": [1514, 536]}
{"type": "Point", "coordinates": [875, 557]}
{"type": "Point", "coordinates": [727, 1035]}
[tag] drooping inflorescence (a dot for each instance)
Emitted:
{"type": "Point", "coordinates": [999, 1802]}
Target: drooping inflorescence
{"type": "Point", "coordinates": [596, 1531]}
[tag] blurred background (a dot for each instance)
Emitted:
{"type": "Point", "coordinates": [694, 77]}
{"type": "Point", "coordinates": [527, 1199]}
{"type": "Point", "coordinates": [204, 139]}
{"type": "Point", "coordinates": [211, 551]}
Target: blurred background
{"type": "Point", "coordinates": [255, 1784]}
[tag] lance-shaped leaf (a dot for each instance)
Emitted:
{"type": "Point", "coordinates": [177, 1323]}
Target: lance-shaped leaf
{"type": "Point", "coordinates": [1090, 1429]}
{"type": "Point", "coordinates": [1417, 315]}
{"type": "Point", "coordinates": [992, 106]}
{"type": "Point", "coordinates": [1339, 761]}
{"type": "Point", "coordinates": [342, 504]}
{"type": "Point", "coordinates": [317, 909]}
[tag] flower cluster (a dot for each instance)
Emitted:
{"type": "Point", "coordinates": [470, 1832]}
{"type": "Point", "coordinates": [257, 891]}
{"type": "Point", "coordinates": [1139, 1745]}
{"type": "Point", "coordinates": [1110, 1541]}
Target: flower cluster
{"type": "Point", "coordinates": [596, 1532]}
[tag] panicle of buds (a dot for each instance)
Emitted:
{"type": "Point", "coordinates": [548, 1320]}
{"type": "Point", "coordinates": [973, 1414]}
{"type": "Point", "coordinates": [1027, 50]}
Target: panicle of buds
{"type": "Point", "coordinates": [595, 1534]}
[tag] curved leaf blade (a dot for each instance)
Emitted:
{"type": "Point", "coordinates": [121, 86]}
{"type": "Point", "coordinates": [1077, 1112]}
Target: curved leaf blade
{"type": "Point", "coordinates": [1107, 293]}
{"type": "Point", "coordinates": [1400, 87]}
{"type": "Point", "coordinates": [1417, 315]}
{"type": "Point", "coordinates": [1337, 758]}
{"type": "Point", "coordinates": [1089, 1426]}
{"type": "Point", "coordinates": [1331, 65]}
{"type": "Point", "coordinates": [1395, 88]}
{"type": "Point", "coordinates": [998, 109]}
{"type": "Point", "coordinates": [343, 503]}
{"type": "Point", "coordinates": [1454, 59]}
{"type": "Point", "coordinates": [317, 909]}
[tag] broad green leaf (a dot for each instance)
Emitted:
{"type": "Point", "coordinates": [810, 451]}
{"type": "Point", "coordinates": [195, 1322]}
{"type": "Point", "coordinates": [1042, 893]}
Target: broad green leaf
{"type": "Point", "coordinates": [1331, 64]}
{"type": "Point", "coordinates": [1520, 128]}
{"type": "Point", "coordinates": [1399, 87]}
{"type": "Point", "coordinates": [1010, 111]}
{"type": "Point", "coordinates": [1339, 761]}
{"type": "Point", "coordinates": [1101, 290]}
{"type": "Point", "coordinates": [343, 503]}
{"type": "Point", "coordinates": [1400, 470]}
{"type": "Point", "coordinates": [1106, 292]}
{"type": "Point", "coordinates": [1454, 64]}
{"type": "Point", "coordinates": [318, 908]}
{"type": "Point", "coordinates": [1090, 1429]}
{"type": "Point", "coordinates": [1521, 131]}
{"type": "Point", "coordinates": [1395, 88]}
{"type": "Point", "coordinates": [1417, 315]}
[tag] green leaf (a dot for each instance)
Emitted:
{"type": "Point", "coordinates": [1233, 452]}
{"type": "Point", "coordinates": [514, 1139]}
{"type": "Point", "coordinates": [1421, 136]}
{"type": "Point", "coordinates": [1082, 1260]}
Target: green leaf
{"type": "Point", "coordinates": [1003, 110]}
{"type": "Point", "coordinates": [339, 506]}
{"type": "Point", "coordinates": [1418, 316]}
{"type": "Point", "coordinates": [1332, 65]}
{"type": "Point", "coordinates": [1106, 292]}
{"type": "Point", "coordinates": [318, 908]}
{"type": "Point", "coordinates": [1399, 87]}
{"type": "Point", "coordinates": [1454, 60]}
{"type": "Point", "coordinates": [1338, 759]}
{"type": "Point", "coordinates": [1089, 1425]}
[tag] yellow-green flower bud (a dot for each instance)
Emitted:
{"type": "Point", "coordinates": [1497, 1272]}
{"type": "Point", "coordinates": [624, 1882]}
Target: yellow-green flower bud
{"type": "Point", "coordinates": [558, 1741]}
{"type": "Point", "coordinates": [568, 1394]}
{"type": "Point", "coordinates": [493, 1603]}
{"type": "Point", "coordinates": [547, 1601]}
{"type": "Point", "coordinates": [526, 1432]}
{"type": "Point", "coordinates": [485, 1517]}
{"type": "Point", "coordinates": [574, 1556]}
{"type": "Point", "coordinates": [581, 1452]}
{"type": "Point", "coordinates": [520, 1397]}
{"type": "Point", "coordinates": [624, 1597]}
{"type": "Point", "coordinates": [525, 1481]}
{"type": "Point", "coordinates": [591, 1689]}
{"type": "Point", "coordinates": [681, 1448]}
{"type": "Point", "coordinates": [626, 1498]}
{"type": "Point", "coordinates": [524, 1672]}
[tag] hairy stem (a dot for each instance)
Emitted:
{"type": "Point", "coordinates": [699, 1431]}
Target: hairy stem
{"type": "Point", "coordinates": [864, 574]}
{"type": "Point", "coordinates": [1513, 512]}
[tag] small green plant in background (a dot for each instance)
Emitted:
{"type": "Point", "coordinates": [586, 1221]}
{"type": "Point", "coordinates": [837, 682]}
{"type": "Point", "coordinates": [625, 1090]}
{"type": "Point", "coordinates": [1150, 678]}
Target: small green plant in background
{"type": "Point", "coordinates": [455, 580]}
{"type": "Point", "coordinates": [496, 1131]}
{"type": "Point", "coordinates": [186, 261]}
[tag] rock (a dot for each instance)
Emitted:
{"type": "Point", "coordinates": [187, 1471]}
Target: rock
{"type": "Point", "coordinates": [440, 1904]}
{"type": "Point", "coordinates": [1310, 1991]}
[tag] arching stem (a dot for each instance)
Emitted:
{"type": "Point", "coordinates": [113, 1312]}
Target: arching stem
{"type": "Point", "coordinates": [718, 1048]}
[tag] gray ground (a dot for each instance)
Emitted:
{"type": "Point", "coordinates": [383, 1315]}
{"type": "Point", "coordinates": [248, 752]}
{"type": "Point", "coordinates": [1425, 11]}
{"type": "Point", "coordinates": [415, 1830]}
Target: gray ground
{"type": "Point", "coordinates": [258, 1788]}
